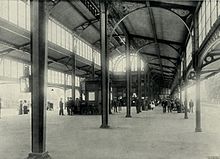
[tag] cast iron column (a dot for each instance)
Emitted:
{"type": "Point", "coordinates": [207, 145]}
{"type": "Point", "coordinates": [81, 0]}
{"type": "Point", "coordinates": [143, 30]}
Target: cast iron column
{"type": "Point", "coordinates": [139, 82]}
{"type": "Point", "coordinates": [180, 82]}
{"type": "Point", "coordinates": [64, 90]}
{"type": "Point", "coordinates": [181, 96]}
{"type": "Point", "coordinates": [198, 110]}
{"type": "Point", "coordinates": [197, 68]}
{"type": "Point", "coordinates": [128, 76]}
{"type": "Point", "coordinates": [145, 87]}
{"type": "Point", "coordinates": [104, 66]}
{"type": "Point", "coordinates": [73, 77]}
{"type": "Point", "coordinates": [149, 87]}
{"type": "Point", "coordinates": [185, 87]}
{"type": "Point", "coordinates": [39, 67]}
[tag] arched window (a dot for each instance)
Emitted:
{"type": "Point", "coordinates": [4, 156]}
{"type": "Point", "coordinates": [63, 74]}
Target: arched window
{"type": "Point", "coordinates": [118, 64]}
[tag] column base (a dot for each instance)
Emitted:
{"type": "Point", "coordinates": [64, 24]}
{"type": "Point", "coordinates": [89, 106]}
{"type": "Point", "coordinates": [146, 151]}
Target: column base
{"type": "Point", "coordinates": [198, 129]}
{"type": "Point", "coordinates": [104, 126]}
{"type": "Point", "coordinates": [186, 117]}
{"type": "Point", "coordinates": [128, 116]}
{"type": "Point", "coordinates": [43, 155]}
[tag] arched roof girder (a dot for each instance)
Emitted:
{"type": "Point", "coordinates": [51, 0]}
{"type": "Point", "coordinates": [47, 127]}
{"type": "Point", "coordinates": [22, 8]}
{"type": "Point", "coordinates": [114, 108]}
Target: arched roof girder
{"type": "Point", "coordinates": [140, 8]}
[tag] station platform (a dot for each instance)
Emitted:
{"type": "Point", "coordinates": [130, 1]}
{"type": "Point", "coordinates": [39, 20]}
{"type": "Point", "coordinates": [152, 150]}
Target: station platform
{"type": "Point", "coordinates": [148, 135]}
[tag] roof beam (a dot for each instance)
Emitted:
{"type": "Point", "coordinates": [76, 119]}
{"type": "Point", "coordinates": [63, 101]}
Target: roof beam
{"type": "Point", "coordinates": [57, 60]}
{"type": "Point", "coordinates": [50, 58]}
{"type": "Point", "coordinates": [85, 25]}
{"type": "Point", "coordinates": [165, 5]}
{"type": "Point", "coordinates": [80, 12]}
{"type": "Point", "coordinates": [153, 25]}
{"type": "Point", "coordinates": [84, 66]}
{"type": "Point", "coordinates": [169, 67]}
{"type": "Point", "coordinates": [172, 5]}
{"type": "Point", "coordinates": [162, 57]}
{"type": "Point", "coordinates": [88, 20]}
{"type": "Point", "coordinates": [163, 70]}
{"type": "Point", "coordinates": [13, 47]}
{"type": "Point", "coordinates": [158, 40]}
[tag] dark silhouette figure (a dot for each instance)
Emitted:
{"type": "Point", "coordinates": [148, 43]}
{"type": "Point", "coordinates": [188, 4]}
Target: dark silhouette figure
{"type": "Point", "coordinates": [191, 104]}
{"type": "Point", "coordinates": [61, 107]}
{"type": "Point", "coordinates": [115, 106]}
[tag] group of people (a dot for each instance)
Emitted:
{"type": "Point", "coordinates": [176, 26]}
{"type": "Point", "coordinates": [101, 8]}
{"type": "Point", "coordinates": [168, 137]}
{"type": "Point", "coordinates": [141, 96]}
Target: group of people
{"type": "Point", "coordinates": [117, 105]}
{"type": "Point", "coordinates": [23, 107]}
{"type": "Point", "coordinates": [170, 105]}
{"type": "Point", "coordinates": [71, 106]}
{"type": "Point", "coordinates": [139, 104]}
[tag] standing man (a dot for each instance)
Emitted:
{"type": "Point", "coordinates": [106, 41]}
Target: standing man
{"type": "Point", "coordinates": [68, 105]}
{"type": "Point", "coordinates": [191, 104]}
{"type": "Point", "coordinates": [20, 108]}
{"type": "Point", "coordinates": [77, 105]}
{"type": "Point", "coordinates": [25, 107]}
{"type": "Point", "coordinates": [61, 107]}
{"type": "Point", "coordinates": [163, 103]}
{"type": "Point", "coordinates": [115, 105]}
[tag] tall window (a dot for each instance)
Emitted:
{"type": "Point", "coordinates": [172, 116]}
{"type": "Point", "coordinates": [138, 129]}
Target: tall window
{"type": "Point", "coordinates": [21, 14]}
{"type": "Point", "coordinates": [13, 10]}
{"type": "Point", "coordinates": [16, 11]}
{"type": "Point", "coordinates": [208, 13]}
{"type": "Point", "coordinates": [4, 9]}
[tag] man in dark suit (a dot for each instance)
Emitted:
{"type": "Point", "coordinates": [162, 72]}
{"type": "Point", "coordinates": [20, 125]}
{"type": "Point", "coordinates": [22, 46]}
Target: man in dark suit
{"type": "Point", "coordinates": [61, 107]}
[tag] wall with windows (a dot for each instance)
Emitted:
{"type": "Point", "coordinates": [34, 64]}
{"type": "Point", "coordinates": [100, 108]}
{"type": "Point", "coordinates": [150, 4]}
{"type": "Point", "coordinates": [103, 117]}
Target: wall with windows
{"type": "Point", "coordinates": [69, 80]}
{"type": "Point", "coordinates": [60, 35]}
{"type": "Point", "coordinates": [97, 57]}
{"type": "Point", "coordinates": [69, 93]}
{"type": "Point", "coordinates": [10, 68]}
{"type": "Point", "coordinates": [14, 69]}
{"type": "Point", "coordinates": [55, 77]}
{"type": "Point", "coordinates": [18, 13]}
{"type": "Point", "coordinates": [12, 95]}
{"type": "Point", "coordinates": [118, 64]}
{"type": "Point", "coordinates": [208, 14]}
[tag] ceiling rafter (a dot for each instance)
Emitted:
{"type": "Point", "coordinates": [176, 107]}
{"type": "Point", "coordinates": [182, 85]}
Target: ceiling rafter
{"type": "Point", "coordinates": [85, 25]}
{"type": "Point", "coordinates": [13, 47]}
{"type": "Point", "coordinates": [95, 11]}
{"type": "Point", "coordinates": [162, 57]}
{"type": "Point", "coordinates": [163, 70]}
{"type": "Point", "coordinates": [158, 40]}
{"type": "Point", "coordinates": [165, 66]}
{"type": "Point", "coordinates": [153, 25]}
{"type": "Point", "coordinates": [57, 60]}
{"type": "Point", "coordinates": [166, 5]}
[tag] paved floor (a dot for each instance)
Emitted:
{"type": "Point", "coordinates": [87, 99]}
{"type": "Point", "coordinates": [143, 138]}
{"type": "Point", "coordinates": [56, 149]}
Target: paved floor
{"type": "Point", "coordinates": [149, 135]}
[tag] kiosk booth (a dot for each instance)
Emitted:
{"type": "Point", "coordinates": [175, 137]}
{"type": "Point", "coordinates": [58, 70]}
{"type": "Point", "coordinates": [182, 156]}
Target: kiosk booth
{"type": "Point", "coordinates": [92, 93]}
